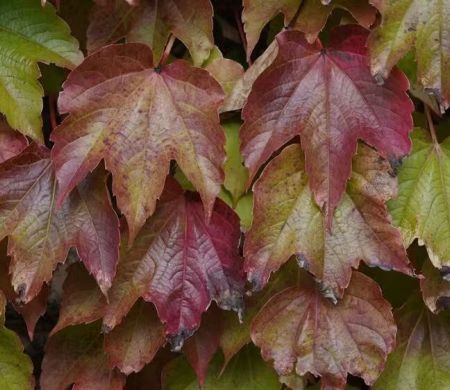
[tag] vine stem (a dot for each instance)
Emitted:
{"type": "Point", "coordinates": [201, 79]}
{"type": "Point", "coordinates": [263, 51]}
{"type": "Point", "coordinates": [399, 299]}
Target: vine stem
{"type": "Point", "coordinates": [167, 50]}
{"type": "Point", "coordinates": [242, 36]}
{"type": "Point", "coordinates": [52, 110]}
{"type": "Point", "coordinates": [431, 125]}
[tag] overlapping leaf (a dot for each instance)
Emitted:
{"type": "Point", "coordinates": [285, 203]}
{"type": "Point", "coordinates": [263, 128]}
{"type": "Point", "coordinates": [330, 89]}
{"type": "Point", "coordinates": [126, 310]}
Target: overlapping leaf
{"type": "Point", "coordinates": [75, 355]}
{"type": "Point", "coordinates": [329, 98]}
{"type": "Point", "coordinates": [311, 19]}
{"type": "Point", "coordinates": [138, 118]}
{"type": "Point", "coordinates": [421, 209]}
{"type": "Point", "coordinates": [420, 24]}
{"type": "Point", "coordinates": [30, 34]}
{"type": "Point", "coordinates": [435, 289]}
{"type": "Point", "coordinates": [180, 263]}
{"type": "Point", "coordinates": [40, 234]}
{"type": "Point", "coordinates": [421, 359]}
{"type": "Point", "coordinates": [301, 331]}
{"type": "Point", "coordinates": [151, 22]}
{"type": "Point", "coordinates": [11, 142]}
{"type": "Point", "coordinates": [287, 222]}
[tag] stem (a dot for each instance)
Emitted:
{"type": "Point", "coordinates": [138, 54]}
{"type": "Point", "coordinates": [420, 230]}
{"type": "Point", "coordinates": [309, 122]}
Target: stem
{"type": "Point", "coordinates": [291, 24]}
{"type": "Point", "coordinates": [237, 16]}
{"type": "Point", "coordinates": [431, 125]}
{"type": "Point", "coordinates": [167, 51]}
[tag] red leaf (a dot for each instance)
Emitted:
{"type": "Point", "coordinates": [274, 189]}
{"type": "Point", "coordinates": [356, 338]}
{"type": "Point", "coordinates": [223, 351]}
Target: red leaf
{"type": "Point", "coordinates": [138, 131]}
{"type": "Point", "coordinates": [40, 234]}
{"type": "Point", "coordinates": [303, 331]}
{"type": "Point", "coordinates": [180, 263]}
{"type": "Point", "coordinates": [329, 98]}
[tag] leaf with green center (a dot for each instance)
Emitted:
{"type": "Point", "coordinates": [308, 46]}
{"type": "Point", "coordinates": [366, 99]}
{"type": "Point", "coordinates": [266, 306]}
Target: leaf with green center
{"type": "Point", "coordinates": [159, 115]}
{"type": "Point", "coordinates": [287, 222]}
{"type": "Point", "coordinates": [151, 22]}
{"type": "Point", "coordinates": [30, 34]}
{"type": "Point", "coordinates": [16, 367]}
{"type": "Point", "coordinates": [421, 360]}
{"type": "Point", "coordinates": [75, 355]}
{"type": "Point", "coordinates": [181, 264]}
{"type": "Point", "coordinates": [329, 98]}
{"type": "Point", "coordinates": [422, 208]}
{"type": "Point", "coordinates": [311, 20]}
{"type": "Point", "coordinates": [301, 331]}
{"type": "Point", "coordinates": [40, 234]}
{"type": "Point", "coordinates": [422, 24]}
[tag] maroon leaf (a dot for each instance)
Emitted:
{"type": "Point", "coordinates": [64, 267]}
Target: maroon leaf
{"type": "Point", "coordinates": [180, 263]}
{"type": "Point", "coordinates": [11, 142]}
{"type": "Point", "coordinates": [329, 98]}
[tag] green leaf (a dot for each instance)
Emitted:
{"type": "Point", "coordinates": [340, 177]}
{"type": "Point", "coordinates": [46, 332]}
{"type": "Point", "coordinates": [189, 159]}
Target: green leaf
{"type": "Point", "coordinates": [422, 208]}
{"type": "Point", "coordinates": [247, 371]}
{"type": "Point", "coordinates": [30, 34]}
{"type": "Point", "coordinates": [235, 172]}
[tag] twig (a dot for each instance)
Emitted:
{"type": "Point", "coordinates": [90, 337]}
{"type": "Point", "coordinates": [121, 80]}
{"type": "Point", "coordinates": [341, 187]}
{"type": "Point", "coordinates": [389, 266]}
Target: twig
{"type": "Point", "coordinates": [167, 51]}
{"type": "Point", "coordinates": [52, 110]}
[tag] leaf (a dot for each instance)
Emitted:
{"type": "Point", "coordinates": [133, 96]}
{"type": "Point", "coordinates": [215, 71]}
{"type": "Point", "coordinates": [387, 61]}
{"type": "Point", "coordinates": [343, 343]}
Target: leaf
{"type": "Point", "coordinates": [30, 34]}
{"type": "Point", "coordinates": [235, 172]}
{"type": "Point", "coordinates": [421, 209]}
{"type": "Point", "coordinates": [11, 142]}
{"type": "Point", "coordinates": [33, 310]}
{"type": "Point", "coordinates": [287, 222]}
{"type": "Point", "coordinates": [16, 367]}
{"type": "Point", "coordinates": [246, 371]}
{"type": "Point", "coordinates": [311, 19]}
{"type": "Point", "coordinates": [301, 330]}
{"type": "Point", "coordinates": [435, 289]}
{"type": "Point", "coordinates": [204, 343]}
{"type": "Point", "coordinates": [180, 263]}
{"type": "Point", "coordinates": [75, 356]}
{"type": "Point", "coordinates": [139, 131]}
{"type": "Point", "coordinates": [419, 24]}
{"type": "Point", "coordinates": [237, 97]}
{"type": "Point", "coordinates": [328, 97]}
{"type": "Point", "coordinates": [151, 22]}
{"type": "Point", "coordinates": [421, 358]}
{"type": "Point", "coordinates": [82, 301]}
{"type": "Point", "coordinates": [227, 72]}
{"type": "Point", "coordinates": [136, 340]}
{"type": "Point", "coordinates": [40, 234]}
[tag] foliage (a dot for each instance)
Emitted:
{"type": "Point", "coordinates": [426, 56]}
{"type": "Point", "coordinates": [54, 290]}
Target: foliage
{"type": "Point", "coordinates": [205, 193]}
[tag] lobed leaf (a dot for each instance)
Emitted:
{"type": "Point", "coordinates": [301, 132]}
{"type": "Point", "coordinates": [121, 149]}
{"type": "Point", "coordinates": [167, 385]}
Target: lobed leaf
{"type": "Point", "coordinates": [328, 97]}
{"type": "Point", "coordinates": [159, 115]}
{"type": "Point", "coordinates": [180, 263]}
{"type": "Point", "coordinates": [287, 222]}
{"type": "Point", "coordinates": [40, 234]}
{"type": "Point", "coordinates": [11, 142]}
{"type": "Point", "coordinates": [302, 331]}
